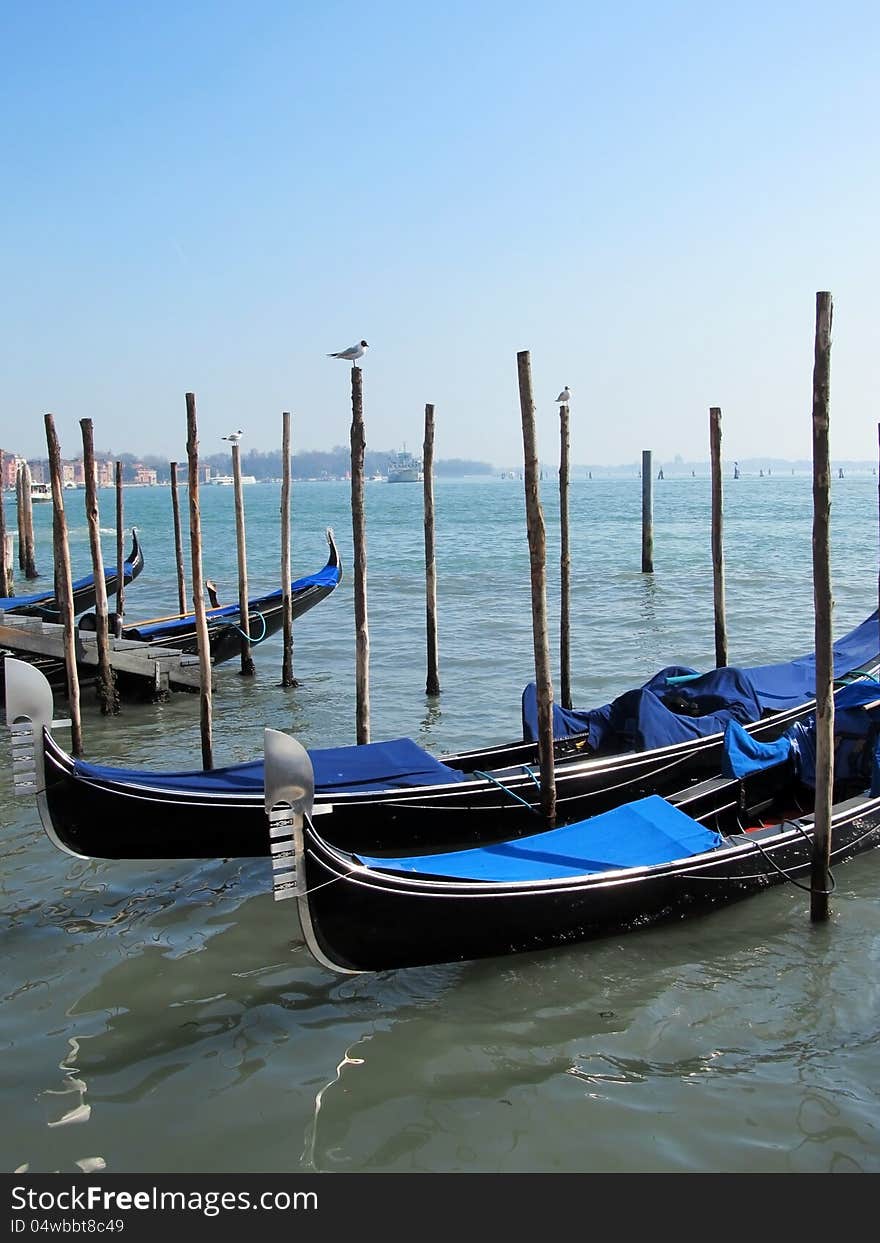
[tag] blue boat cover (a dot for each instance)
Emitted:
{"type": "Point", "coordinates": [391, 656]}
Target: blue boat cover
{"type": "Point", "coordinates": [327, 577]}
{"type": "Point", "coordinates": [638, 834]}
{"type": "Point", "coordinates": [11, 603]}
{"type": "Point", "coordinates": [856, 729]}
{"type": "Point", "coordinates": [398, 764]}
{"type": "Point", "coordinates": [744, 754]}
{"type": "Point", "coordinates": [668, 710]}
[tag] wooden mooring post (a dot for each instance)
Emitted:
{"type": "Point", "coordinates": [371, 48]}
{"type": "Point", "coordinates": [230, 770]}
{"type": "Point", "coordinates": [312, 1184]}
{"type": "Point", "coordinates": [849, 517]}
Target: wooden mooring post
{"type": "Point", "coordinates": [821, 852]}
{"type": "Point", "coordinates": [5, 576]}
{"type": "Point", "coordinates": [195, 534]}
{"type": "Point", "coordinates": [432, 681]}
{"type": "Point", "coordinates": [287, 678]}
{"type": "Point", "coordinates": [120, 551]}
{"type": "Point", "coordinates": [64, 583]}
{"type": "Point", "coordinates": [647, 512]}
{"type": "Point", "coordinates": [717, 538]}
{"type": "Point", "coordinates": [178, 541]}
{"type": "Point", "coordinates": [359, 536]}
{"type": "Point", "coordinates": [564, 561]}
{"type": "Point", "coordinates": [27, 560]}
{"type": "Point", "coordinates": [108, 697]}
{"type": "Point", "coordinates": [538, 568]}
{"type": "Point", "coordinates": [247, 661]}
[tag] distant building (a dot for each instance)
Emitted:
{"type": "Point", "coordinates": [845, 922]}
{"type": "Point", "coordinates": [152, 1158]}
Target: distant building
{"type": "Point", "coordinates": [9, 470]}
{"type": "Point", "coordinates": [145, 475]}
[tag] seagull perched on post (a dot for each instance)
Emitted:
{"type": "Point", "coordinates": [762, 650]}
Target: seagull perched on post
{"type": "Point", "coordinates": [353, 352]}
{"type": "Point", "coordinates": [565, 396]}
{"type": "Point", "coordinates": [233, 437]}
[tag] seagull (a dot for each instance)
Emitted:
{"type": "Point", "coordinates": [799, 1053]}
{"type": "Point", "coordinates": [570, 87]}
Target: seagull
{"type": "Point", "coordinates": [565, 396]}
{"type": "Point", "coordinates": [233, 437]}
{"type": "Point", "coordinates": [353, 352]}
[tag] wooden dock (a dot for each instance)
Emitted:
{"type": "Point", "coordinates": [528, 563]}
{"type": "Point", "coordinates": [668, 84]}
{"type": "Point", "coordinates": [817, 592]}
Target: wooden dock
{"type": "Point", "coordinates": [157, 670]}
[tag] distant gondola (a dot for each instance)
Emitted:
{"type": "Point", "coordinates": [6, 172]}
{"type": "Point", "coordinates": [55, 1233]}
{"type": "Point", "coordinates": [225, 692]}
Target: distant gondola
{"type": "Point", "coordinates": [43, 603]}
{"type": "Point", "coordinates": [650, 860]}
{"type": "Point", "coordinates": [395, 796]}
{"type": "Point", "coordinates": [266, 615]}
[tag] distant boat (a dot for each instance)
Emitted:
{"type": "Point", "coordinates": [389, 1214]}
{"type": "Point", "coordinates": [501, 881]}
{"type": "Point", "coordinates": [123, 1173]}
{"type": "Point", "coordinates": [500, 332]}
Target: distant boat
{"type": "Point", "coordinates": [226, 481]}
{"type": "Point", "coordinates": [41, 492]}
{"type": "Point", "coordinates": [404, 468]}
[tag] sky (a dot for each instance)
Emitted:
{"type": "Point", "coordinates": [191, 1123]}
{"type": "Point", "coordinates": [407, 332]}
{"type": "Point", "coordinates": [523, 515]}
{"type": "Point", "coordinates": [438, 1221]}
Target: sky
{"type": "Point", "coordinates": [210, 197]}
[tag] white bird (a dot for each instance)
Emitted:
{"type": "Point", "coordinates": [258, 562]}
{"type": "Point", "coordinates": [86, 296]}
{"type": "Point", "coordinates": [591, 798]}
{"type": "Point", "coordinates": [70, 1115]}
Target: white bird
{"type": "Point", "coordinates": [565, 396]}
{"type": "Point", "coordinates": [233, 437]}
{"type": "Point", "coordinates": [353, 352]}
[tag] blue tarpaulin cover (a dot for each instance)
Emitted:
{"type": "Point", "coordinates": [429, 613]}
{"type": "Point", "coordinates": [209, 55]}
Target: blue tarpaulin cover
{"type": "Point", "coordinates": [744, 754]}
{"type": "Point", "coordinates": [856, 725]}
{"type": "Point", "coordinates": [638, 834]}
{"type": "Point", "coordinates": [666, 711]}
{"type": "Point", "coordinates": [400, 763]}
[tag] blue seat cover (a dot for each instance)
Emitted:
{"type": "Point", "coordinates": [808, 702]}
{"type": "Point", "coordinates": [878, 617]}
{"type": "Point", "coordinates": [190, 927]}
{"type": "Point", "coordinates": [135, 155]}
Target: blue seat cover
{"type": "Point", "coordinates": [639, 834]}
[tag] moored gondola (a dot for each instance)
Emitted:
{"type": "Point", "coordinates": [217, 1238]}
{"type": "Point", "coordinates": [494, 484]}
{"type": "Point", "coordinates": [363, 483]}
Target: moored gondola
{"type": "Point", "coordinates": [384, 796]}
{"type": "Point", "coordinates": [43, 603]}
{"type": "Point", "coordinates": [651, 860]}
{"type": "Point", "coordinates": [265, 615]}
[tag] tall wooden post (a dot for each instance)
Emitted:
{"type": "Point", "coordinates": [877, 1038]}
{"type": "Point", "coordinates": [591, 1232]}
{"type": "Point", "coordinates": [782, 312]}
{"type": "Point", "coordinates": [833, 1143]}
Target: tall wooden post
{"type": "Point", "coordinates": [247, 660]}
{"type": "Point", "coordinates": [821, 855]}
{"type": "Point", "coordinates": [359, 535]}
{"type": "Point", "coordinates": [647, 512]}
{"type": "Point", "coordinates": [717, 538]}
{"type": "Point", "coordinates": [564, 562]}
{"type": "Point", "coordinates": [287, 678]}
{"type": "Point", "coordinates": [178, 541]}
{"type": "Point", "coordinates": [120, 551]}
{"type": "Point", "coordinates": [538, 566]}
{"type": "Point", "coordinates": [195, 535]}
{"type": "Point", "coordinates": [64, 583]}
{"type": "Point", "coordinates": [432, 682]}
{"type": "Point", "coordinates": [26, 550]}
{"type": "Point", "coordinates": [5, 576]}
{"type": "Point", "coordinates": [108, 696]}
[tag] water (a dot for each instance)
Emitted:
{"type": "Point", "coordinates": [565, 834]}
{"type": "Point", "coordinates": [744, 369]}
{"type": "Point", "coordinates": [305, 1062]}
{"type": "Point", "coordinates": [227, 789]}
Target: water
{"type": "Point", "coordinates": [164, 1017]}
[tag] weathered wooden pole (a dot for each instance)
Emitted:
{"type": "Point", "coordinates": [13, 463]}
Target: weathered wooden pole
{"type": "Point", "coordinates": [537, 562]}
{"type": "Point", "coordinates": [432, 682]}
{"type": "Point", "coordinates": [821, 854]}
{"type": "Point", "coordinates": [120, 551]}
{"type": "Point", "coordinates": [195, 535]}
{"type": "Point", "coordinates": [64, 583]}
{"type": "Point", "coordinates": [5, 576]}
{"type": "Point", "coordinates": [287, 678]}
{"type": "Point", "coordinates": [647, 513]}
{"type": "Point", "coordinates": [717, 538]}
{"type": "Point", "coordinates": [108, 696]}
{"type": "Point", "coordinates": [26, 551]}
{"type": "Point", "coordinates": [247, 661]}
{"type": "Point", "coordinates": [564, 562]}
{"type": "Point", "coordinates": [178, 541]}
{"type": "Point", "coordinates": [359, 537]}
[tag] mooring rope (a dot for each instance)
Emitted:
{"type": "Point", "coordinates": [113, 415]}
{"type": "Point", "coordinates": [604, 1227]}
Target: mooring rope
{"type": "Point", "coordinates": [826, 893]}
{"type": "Point", "coordinates": [253, 642]}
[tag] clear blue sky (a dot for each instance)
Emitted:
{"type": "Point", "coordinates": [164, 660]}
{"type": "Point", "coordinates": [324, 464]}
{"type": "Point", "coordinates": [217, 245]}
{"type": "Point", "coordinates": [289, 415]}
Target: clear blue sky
{"type": "Point", "coordinates": [211, 196]}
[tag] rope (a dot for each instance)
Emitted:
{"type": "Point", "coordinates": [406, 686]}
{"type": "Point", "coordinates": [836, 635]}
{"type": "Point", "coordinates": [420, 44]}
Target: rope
{"type": "Point", "coordinates": [253, 642]}
{"type": "Point", "coordinates": [495, 782]}
{"type": "Point", "coordinates": [782, 872]}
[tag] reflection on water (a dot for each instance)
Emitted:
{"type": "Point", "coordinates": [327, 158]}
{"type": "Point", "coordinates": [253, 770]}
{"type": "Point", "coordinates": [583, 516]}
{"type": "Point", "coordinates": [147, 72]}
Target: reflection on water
{"type": "Point", "coordinates": [167, 1016]}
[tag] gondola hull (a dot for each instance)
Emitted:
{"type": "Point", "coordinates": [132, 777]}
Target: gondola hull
{"type": "Point", "coordinates": [360, 919]}
{"type": "Point", "coordinates": [46, 606]}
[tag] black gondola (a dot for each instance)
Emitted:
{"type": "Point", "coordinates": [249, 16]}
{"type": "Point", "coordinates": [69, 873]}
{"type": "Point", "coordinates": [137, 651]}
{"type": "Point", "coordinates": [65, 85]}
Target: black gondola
{"type": "Point", "coordinates": [652, 860]}
{"type": "Point", "coordinates": [391, 795]}
{"type": "Point", "coordinates": [265, 614]}
{"type": "Point", "coordinates": [43, 604]}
